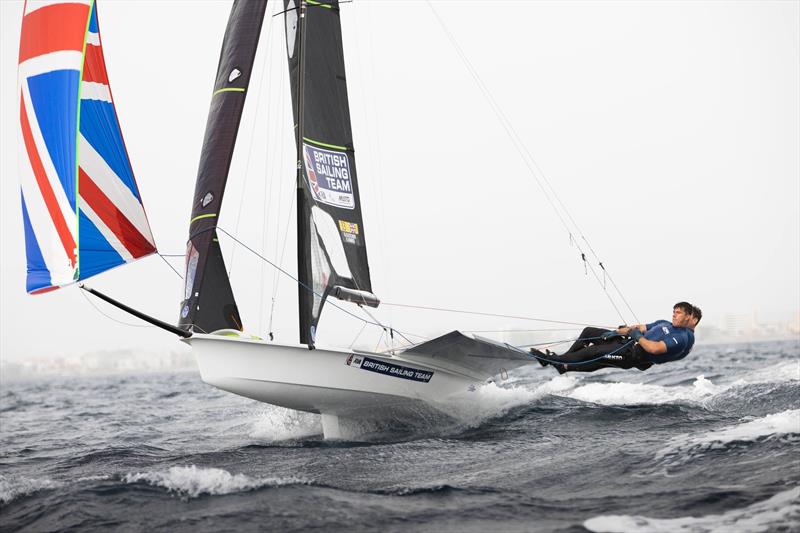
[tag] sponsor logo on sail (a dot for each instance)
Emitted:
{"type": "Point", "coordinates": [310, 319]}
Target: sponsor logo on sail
{"type": "Point", "coordinates": [349, 231]}
{"type": "Point", "coordinates": [329, 178]}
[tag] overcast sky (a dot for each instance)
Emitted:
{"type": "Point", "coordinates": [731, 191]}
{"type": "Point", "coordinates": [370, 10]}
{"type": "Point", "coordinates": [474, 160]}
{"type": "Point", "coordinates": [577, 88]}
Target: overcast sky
{"type": "Point", "coordinates": [669, 130]}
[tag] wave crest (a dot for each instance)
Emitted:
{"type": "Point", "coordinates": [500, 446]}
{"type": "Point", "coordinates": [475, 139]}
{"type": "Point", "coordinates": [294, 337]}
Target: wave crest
{"type": "Point", "coordinates": [191, 481]}
{"type": "Point", "coordinates": [779, 512]}
{"type": "Point", "coordinates": [12, 488]}
{"type": "Point", "coordinates": [687, 446]}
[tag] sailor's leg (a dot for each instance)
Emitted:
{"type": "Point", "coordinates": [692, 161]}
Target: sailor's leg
{"type": "Point", "coordinates": [590, 358]}
{"type": "Point", "coordinates": [591, 334]}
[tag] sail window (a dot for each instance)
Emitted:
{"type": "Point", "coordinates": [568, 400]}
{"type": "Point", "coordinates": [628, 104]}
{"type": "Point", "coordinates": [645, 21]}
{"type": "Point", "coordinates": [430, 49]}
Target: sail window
{"type": "Point", "coordinates": [192, 256]}
{"type": "Point", "coordinates": [291, 27]}
{"type": "Point", "coordinates": [235, 73]}
{"type": "Point", "coordinates": [328, 232]}
{"type": "Point", "coordinates": [321, 270]}
{"type": "Point", "coordinates": [207, 199]}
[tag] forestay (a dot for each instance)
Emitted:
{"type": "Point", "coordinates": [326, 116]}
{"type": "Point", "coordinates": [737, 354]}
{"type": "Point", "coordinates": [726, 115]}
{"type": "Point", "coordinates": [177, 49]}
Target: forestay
{"type": "Point", "coordinates": [332, 253]}
{"type": "Point", "coordinates": [81, 207]}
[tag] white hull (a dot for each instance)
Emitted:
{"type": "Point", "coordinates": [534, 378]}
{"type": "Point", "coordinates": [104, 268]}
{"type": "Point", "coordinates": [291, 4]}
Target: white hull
{"type": "Point", "coordinates": [322, 381]}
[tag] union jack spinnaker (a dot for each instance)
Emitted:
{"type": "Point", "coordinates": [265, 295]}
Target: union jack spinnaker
{"type": "Point", "coordinates": [81, 207]}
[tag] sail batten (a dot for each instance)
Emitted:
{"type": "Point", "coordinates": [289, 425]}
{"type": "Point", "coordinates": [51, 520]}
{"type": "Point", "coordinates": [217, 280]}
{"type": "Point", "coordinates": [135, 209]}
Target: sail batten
{"type": "Point", "coordinates": [82, 210]}
{"type": "Point", "coordinates": [332, 254]}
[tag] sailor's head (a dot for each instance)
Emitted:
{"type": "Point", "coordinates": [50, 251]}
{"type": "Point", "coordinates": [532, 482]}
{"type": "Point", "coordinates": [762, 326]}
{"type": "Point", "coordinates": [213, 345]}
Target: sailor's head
{"type": "Point", "coordinates": [685, 315]}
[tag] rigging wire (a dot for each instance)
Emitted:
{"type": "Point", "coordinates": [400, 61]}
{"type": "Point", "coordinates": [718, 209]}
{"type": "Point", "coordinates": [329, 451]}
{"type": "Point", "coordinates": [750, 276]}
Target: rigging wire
{"type": "Point", "coordinates": [266, 50]}
{"type": "Point", "coordinates": [169, 264]}
{"type": "Point", "coordinates": [517, 330]}
{"type": "Point", "coordinates": [300, 283]}
{"type": "Point", "coordinates": [495, 315]}
{"type": "Point", "coordinates": [266, 202]}
{"type": "Point", "coordinates": [111, 317]}
{"type": "Point", "coordinates": [369, 107]}
{"type": "Point", "coordinates": [282, 104]}
{"type": "Point", "coordinates": [528, 160]}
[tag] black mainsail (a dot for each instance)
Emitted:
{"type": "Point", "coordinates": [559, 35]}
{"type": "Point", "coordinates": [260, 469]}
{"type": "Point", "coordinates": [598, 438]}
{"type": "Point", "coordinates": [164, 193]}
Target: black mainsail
{"type": "Point", "coordinates": [331, 249]}
{"type": "Point", "coordinates": [208, 303]}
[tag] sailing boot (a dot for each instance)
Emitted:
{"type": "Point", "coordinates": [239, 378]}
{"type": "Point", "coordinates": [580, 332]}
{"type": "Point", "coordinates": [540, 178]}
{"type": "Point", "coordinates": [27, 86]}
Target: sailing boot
{"type": "Point", "coordinates": [540, 356]}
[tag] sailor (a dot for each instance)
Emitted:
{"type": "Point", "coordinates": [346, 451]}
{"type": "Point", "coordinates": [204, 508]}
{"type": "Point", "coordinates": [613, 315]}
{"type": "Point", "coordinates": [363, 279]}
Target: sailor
{"type": "Point", "coordinates": [638, 346]}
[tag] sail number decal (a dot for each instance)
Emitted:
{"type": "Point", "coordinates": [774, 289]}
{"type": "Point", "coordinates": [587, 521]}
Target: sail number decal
{"type": "Point", "coordinates": [329, 178]}
{"type": "Point", "coordinates": [389, 369]}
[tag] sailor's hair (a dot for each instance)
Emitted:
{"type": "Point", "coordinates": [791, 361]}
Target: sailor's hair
{"type": "Point", "coordinates": [697, 313]}
{"type": "Point", "coordinates": [689, 309]}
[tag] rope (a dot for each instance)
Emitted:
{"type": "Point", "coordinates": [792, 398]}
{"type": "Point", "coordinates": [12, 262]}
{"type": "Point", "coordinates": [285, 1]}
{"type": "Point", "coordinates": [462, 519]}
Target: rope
{"type": "Point", "coordinates": [111, 317]}
{"type": "Point", "coordinates": [515, 330]}
{"type": "Point", "coordinates": [306, 287]}
{"type": "Point", "coordinates": [527, 158]}
{"type": "Point", "coordinates": [581, 362]}
{"type": "Point", "coordinates": [552, 343]}
{"type": "Point", "coordinates": [170, 266]}
{"type": "Point", "coordinates": [278, 216]}
{"type": "Point", "coordinates": [495, 315]}
{"type": "Point", "coordinates": [266, 49]}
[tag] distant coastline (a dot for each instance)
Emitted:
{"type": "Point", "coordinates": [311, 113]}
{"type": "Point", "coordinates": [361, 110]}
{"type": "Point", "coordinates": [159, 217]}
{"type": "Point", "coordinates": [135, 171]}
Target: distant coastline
{"type": "Point", "coordinates": [103, 362]}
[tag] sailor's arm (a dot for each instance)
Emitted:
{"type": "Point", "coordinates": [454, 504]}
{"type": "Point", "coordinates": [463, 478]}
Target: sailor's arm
{"type": "Point", "coordinates": [626, 330]}
{"type": "Point", "coordinates": [653, 347]}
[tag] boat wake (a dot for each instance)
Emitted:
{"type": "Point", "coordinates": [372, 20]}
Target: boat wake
{"type": "Point", "coordinates": [277, 424]}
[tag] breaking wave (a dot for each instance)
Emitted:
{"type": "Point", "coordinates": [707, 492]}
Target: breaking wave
{"type": "Point", "coordinates": [191, 481]}
{"type": "Point", "coordinates": [781, 512]}
{"type": "Point", "coordinates": [12, 488]}
{"type": "Point", "coordinates": [699, 392]}
{"type": "Point", "coordinates": [783, 423]}
{"type": "Point", "coordinates": [638, 393]}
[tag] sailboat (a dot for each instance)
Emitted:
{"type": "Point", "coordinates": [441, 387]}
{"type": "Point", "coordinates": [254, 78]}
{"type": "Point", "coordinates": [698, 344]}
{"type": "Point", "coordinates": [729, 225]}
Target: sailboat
{"type": "Point", "coordinates": [83, 215]}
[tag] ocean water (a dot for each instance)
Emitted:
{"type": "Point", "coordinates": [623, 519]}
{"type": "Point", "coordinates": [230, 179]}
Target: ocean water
{"type": "Point", "coordinates": [707, 444]}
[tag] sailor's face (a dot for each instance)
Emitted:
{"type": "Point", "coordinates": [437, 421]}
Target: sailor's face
{"type": "Point", "coordinates": [680, 318]}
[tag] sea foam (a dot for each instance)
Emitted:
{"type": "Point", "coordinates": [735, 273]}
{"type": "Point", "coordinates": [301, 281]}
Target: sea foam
{"type": "Point", "coordinates": [781, 512]}
{"type": "Point", "coordinates": [783, 423]}
{"type": "Point", "coordinates": [192, 481]}
{"type": "Point", "coordinates": [621, 393]}
{"type": "Point", "coordinates": [273, 424]}
{"type": "Point", "coordinates": [471, 408]}
{"type": "Point", "coordinates": [12, 487]}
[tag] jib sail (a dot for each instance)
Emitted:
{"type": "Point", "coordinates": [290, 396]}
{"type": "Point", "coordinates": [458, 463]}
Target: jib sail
{"type": "Point", "coordinates": [81, 207]}
{"type": "Point", "coordinates": [208, 303]}
{"type": "Point", "coordinates": [332, 253]}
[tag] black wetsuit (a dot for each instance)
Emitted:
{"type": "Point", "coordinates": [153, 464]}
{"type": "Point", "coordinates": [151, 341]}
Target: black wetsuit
{"type": "Point", "coordinates": [618, 352]}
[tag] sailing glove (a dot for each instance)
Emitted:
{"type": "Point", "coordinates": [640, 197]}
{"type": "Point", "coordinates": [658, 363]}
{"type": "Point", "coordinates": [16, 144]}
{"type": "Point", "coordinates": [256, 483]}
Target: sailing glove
{"type": "Point", "coordinates": [636, 334]}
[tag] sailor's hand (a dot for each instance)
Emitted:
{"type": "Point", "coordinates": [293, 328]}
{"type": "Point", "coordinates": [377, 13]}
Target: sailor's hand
{"type": "Point", "coordinates": [636, 334]}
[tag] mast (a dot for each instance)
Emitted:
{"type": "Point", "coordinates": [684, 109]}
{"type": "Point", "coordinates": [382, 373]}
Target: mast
{"type": "Point", "coordinates": [303, 258]}
{"type": "Point", "coordinates": [208, 302]}
{"type": "Point", "coordinates": [331, 247]}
